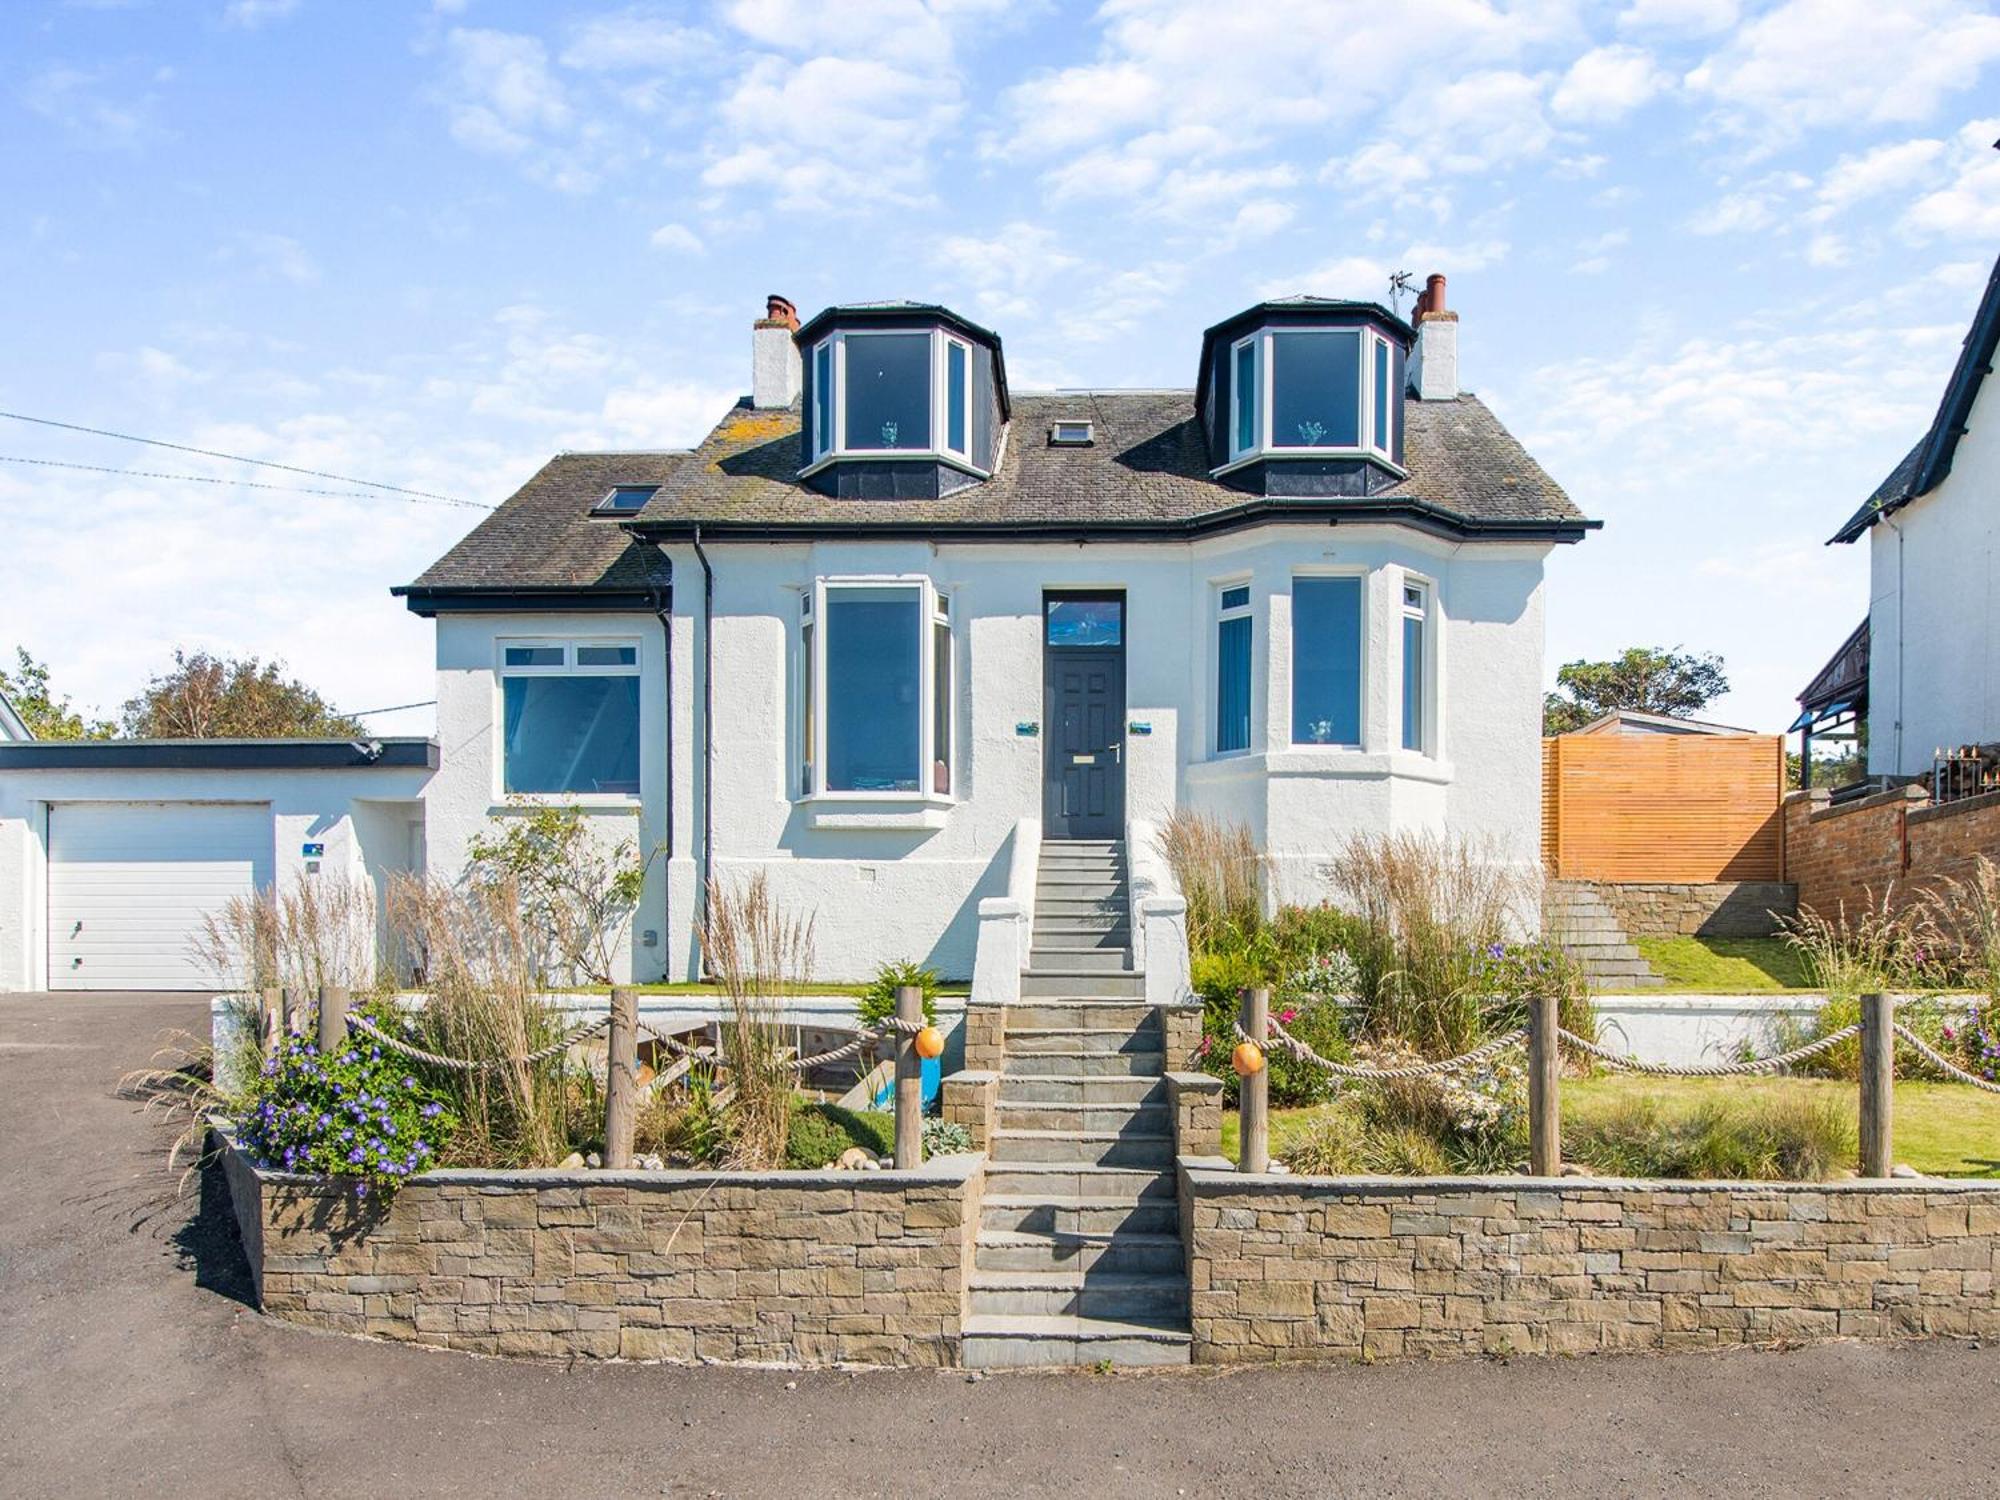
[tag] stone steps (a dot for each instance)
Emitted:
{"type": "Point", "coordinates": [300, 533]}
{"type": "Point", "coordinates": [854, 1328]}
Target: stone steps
{"type": "Point", "coordinates": [1145, 1116]}
{"type": "Point", "coordinates": [1114, 1296]}
{"type": "Point", "coordinates": [1076, 1214]}
{"type": "Point", "coordinates": [998, 1341]}
{"type": "Point", "coordinates": [1080, 1091]}
{"type": "Point", "coordinates": [1066, 983]}
{"type": "Point", "coordinates": [1096, 1148]}
{"type": "Point", "coordinates": [1117, 1252]}
{"type": "Point", "coordinates": [1583, 924]}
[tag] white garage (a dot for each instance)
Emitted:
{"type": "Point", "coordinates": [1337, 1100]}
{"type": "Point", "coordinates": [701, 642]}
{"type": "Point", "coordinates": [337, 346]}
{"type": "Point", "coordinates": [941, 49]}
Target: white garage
{"type": "Point", "coordinates": [131, 883]}
{"type": "Point", "coordinates": [113, 851]}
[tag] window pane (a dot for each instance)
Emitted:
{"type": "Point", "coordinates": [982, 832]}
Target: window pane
{"type": "Point", "coordinates": [1086, 622]}
{"type": "Point", "coordinates": [1382, 396]}
{"type": "Point", "coordinates": [810, 717]}
{"type": "Point", "coordinates": [571, 734]}
{"type": "Point", "coordinates": [941, 708]}
{"type": "Point", "coordinates": [954, 396]}
{"type": "Point", "coordinates": [1326, 661]}
{"type": "Point", "coordinates": [607, 656]}
{"type": "Point", "coordinates": [1232, 684]}
{"type": "Point", "coordinates": [628, 497]}
{"type": "Point", "coordinates": [1413, 683]}
{"type": "Point", "coordinates": [1315, 390]}
{"type": "Point", "coordinates": [1237, 597]}
{"type": "Point", "coordinates": [889, 390]}
{"type": "Point", "coordinates": [534, 656]}
{"type": "Point", "coordinates": [823, 398]}
{"type": "Point", "coordinates": [874, 690]}
{"type": "Point", "coordinates": [1246, 396]}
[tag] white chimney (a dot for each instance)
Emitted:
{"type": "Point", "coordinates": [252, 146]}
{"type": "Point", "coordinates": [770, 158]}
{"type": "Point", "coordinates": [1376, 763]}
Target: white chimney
{"type": "Point", "coordinates": [1434, 362]}
{"type": "Point", "coordinates": [774, 358]}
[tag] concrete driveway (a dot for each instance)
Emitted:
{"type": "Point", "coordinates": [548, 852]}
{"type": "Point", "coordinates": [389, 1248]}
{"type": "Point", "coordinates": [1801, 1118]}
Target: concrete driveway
{"type": "Point", "coordinates": [130, 1363]}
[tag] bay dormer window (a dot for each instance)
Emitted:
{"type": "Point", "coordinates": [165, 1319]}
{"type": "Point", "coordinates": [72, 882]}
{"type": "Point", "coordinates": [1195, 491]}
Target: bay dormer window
{"type": "Point", "coordinates": [1312, 391]}
{"type": "Point", "coordinates": [893, 393]}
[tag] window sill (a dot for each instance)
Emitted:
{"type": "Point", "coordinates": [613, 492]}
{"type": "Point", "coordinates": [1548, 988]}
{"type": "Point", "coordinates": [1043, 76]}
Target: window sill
{"type": "Point", "coordinates": [1328, 763]}
{"type": "Point", "coordinates": [884, 812]}
{"type": "Point", "coordinates": [523, 804]}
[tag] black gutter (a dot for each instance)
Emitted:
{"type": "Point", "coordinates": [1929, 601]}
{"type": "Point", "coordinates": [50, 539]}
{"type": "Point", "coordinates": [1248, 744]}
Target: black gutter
{"type": "Point", "coordinates": [707, 732]}
{"type": "Point", "coordinates": [430, 602]}
{"type": "Point", "coordinates": [663, 611]}
{"type": "Point", "coordinates": [1418, 514]}
{"type": "Point", "coordinates": [220, 755]}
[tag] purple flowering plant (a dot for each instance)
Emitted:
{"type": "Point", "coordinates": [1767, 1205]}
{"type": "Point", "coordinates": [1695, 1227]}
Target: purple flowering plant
{"type": "Point", "coordinates": [355, 1113]}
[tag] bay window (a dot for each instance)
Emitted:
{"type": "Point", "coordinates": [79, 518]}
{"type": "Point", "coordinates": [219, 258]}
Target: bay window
{"type": "Point", "coordinates": [903, 392]}
{"type": "Point", "coordinates": [1232, 668]}
{"type": "Point", "coordinates": [1326, 661]}
{"type": "Point", "coordinates": [876, 688]}
{"type": "Point", "coordinates": [1300, 392]}
{"type": "Point", "coordinates": [569, 718]}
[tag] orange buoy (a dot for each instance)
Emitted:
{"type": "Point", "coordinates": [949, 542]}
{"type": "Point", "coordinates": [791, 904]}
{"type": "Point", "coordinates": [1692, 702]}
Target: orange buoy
{"type": "Point", "coordinates": [930, 1042]}
{"type": "Point", "coordinates": [1247, 1059]}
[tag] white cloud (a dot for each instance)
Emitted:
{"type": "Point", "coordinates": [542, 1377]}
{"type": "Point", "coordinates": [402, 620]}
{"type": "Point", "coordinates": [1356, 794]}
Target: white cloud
{"type": "Point", "coordinates": [276, 255]}
{"type": "Point", "coordinates": [1607, 84]}
{"type": "Point", "coordinates": [1367, 276]}
{"type": "Point", "coordinates": [91, 109]}
{"type": "Point", "coordinates": [1812, 63]}
{"type": "Point", "coordinates": [1691, 17]}
{"type": "Point", "coordinates": [250, 14]}
{"type": "Point", "coordinates": [677, 238]}
{"type": "Point", "coordinates": [1969, 206]}
{"type": "Point", "coordinates": [504, 99]}
{"type": "Point", "coordinates": [1882, 170]}
{"type": "Point", "coordinates": [1006, 270]}
{"type": "Point", "coordinates": [631, 40]}
{"type": "Point", "coordinates": [1594, 254]}
{"type": "Point", "coordinates": [1760, 205]}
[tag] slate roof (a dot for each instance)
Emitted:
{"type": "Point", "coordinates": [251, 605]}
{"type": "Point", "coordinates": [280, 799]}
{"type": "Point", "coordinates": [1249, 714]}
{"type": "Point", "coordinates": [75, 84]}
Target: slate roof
{"type": "Point", "coordinates": [1925, 466]}
{"type": "Point", "coordinates": [545, 538]}
{"type": "Point", "coordinates": [1146, 473]}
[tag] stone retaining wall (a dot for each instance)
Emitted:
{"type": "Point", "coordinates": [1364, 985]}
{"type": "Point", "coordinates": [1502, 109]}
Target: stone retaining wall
{"type": "Point", "coordinates": [1891, 845]}
{"type": "Point", "coordinates": [1318, 1268]}
{"type": "Point", "coordinates": [1725, 908]}
{"type": "Point", "coordinates": [810, 1268]}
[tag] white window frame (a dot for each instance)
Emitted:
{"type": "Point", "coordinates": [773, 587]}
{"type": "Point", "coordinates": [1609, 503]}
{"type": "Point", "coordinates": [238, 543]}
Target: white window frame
{"type": "Point", "coordinates": [568, 667]}
{"type": "Point", "coordinates": [939, 451]}
{"type": "Point", "coordinates": [929, 615]}
{"type": "Point", "coordinates": [1264, 367]}
{"type": "Point", "coordinates": [1361, 669]}
{"type": "Point", "coordinates": [1218, 614]}
{"type": "Point", "coordinates": [1425, 613]}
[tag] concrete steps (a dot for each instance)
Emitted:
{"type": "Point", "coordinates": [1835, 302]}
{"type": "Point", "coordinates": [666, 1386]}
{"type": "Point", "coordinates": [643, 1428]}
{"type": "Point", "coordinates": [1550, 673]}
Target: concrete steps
{"type": "Point", "coordinates": [1079, 1259]}
{"type": "Point", "coordinates": [1583, 924]}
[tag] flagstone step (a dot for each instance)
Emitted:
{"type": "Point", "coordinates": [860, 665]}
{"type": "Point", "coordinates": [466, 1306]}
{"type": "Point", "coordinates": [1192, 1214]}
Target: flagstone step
{"type": "Point", "coordinates": [1080, 1064]}
{"type": "Point", "coordinates": [1035, 1041]}
{"type": "Point", "coordinates": [1080, 1091]}
{"type": "Point", "coordinates": [1081, 984]}
{"type": "Point", "coordinates": [1049, 1011]}
{"type": "Point", "coordinates": [1148, 1118]}
{"type": "Point", "coordinates": [1114, 1253]}
{"type": "Point", "coordinates": [1002, 1341]}
{"type": "Point", "coordinates": [1074, 1214]}
{"type": "Point", "coordinates": [1097, 1148]}
{"type": "Point", "coordinates": [1045, 1294]}
{"type": "Point", "coordinates": [1053, 1181]}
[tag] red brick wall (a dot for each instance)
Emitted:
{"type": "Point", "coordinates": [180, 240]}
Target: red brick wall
{"type": "Point", "coordinates": [1894, 843]}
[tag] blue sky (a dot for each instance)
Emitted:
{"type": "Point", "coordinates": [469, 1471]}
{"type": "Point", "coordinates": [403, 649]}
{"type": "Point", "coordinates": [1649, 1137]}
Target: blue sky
{"type": "Point", "coordinates": [1713, 261]}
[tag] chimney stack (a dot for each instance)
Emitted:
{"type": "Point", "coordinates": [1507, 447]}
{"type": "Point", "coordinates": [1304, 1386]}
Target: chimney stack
{"type": "Point", "coordinates": [774, 358]}
{"type": "Point", "coordinates": [1434, 362]}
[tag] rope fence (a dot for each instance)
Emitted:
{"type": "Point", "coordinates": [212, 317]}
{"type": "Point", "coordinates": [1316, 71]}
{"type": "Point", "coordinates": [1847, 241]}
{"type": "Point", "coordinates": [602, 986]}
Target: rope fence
{"type": "Point", "coordinates": [1748, 1068]}
{"type": "Point", "coordinates": [1363, 1073]}
{"type": "Point", "coordinates": [1942, 1063]}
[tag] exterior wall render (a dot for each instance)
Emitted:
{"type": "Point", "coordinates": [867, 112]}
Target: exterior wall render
{"type": "Point", "coordinates": [905, 878]}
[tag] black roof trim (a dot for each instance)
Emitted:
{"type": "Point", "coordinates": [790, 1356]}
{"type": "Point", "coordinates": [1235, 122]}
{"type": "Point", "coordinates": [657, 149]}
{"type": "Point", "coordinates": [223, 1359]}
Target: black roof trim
{"type": "Point", "coordinates": [1926, 466]}
{"type": "Point", "coordinates": [371, 753]}
{"type": "Point", "coordinates": [1409, 512]}
{"type": "Point", "coordinates": [431, 602]}
{"type": "Point", "coordinates": [912, 314]}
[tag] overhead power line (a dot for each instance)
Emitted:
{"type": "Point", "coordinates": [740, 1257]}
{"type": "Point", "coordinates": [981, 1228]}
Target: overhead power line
{"type": "Point", "coordinates": [248, 484]}
{"type": "Point", "coordinates": [367, 713]}
{"type": "Point", "coordinates": [238, 458]}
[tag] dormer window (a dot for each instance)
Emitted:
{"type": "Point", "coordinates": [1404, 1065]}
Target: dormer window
{"type": "Point", "coordinates": [892, 393]}
{"type": "Point", "coordinates": [1309, 391]}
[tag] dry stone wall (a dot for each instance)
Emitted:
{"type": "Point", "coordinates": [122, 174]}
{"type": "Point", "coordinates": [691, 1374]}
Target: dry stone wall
{"type": "Point", "coordinates": [810, 1268]}
{"type": "Point", "coordinates": [1727, 908]}
{"type": "Point", "coordinates": [1313, 1268]}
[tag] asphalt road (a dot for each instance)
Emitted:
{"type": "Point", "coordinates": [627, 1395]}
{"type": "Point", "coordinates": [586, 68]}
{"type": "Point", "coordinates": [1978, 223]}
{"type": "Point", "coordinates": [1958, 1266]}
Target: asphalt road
{"type": "Point", "coordinates": [130, 1364]}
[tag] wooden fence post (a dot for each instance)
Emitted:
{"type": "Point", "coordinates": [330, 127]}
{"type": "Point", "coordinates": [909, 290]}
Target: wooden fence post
{"type": "Point", "coordinates": [293, 1010]}
{"type": "Point", "coordinates": [1544, 1087]}
{"type": "Point", "coordinates": [1878, 1084]}
{"type": "Point", "coordinates": [621, 1083]}
{"type": "Point", "coordinates": [1254, 1094]}
{"type": "Point", "coordinates": [332, 1016]}
{"type": "Point", "coordinates": [909, 1080]}
{"type": "Point", "coordinates": [271, 1020]}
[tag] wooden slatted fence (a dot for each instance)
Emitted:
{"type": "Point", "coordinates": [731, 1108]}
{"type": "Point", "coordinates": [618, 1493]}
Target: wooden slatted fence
{"type": "Point", "coordinates": [1669, 808]}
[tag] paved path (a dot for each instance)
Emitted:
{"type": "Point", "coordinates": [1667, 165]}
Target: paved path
{"type": "Point", "coordinates": [130, 1365]}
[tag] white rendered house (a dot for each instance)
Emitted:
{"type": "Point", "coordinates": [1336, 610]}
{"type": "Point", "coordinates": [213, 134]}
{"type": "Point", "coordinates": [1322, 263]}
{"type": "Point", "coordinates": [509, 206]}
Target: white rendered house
{"type": "Point", "coordinates": [1932, 637]}
{"type": "Point", "coordinates": [891, 623]}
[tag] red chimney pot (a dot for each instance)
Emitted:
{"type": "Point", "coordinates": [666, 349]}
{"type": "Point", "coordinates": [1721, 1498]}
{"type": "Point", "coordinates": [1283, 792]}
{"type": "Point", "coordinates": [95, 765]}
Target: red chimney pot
{"type": "Point", "coordinates": [780, 310]}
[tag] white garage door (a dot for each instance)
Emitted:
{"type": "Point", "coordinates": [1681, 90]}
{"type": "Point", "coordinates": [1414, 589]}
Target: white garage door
{"type": "Point", "coordinates": [129, 884]}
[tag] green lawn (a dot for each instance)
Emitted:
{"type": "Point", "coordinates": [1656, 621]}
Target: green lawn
{"type": "Point", "coordinates": [1725, 966]}
{"type": "Point", "coordinates": [1941, 1129]}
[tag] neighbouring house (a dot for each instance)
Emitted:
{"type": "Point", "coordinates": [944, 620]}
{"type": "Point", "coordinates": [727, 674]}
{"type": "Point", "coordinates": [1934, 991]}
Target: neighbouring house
{"type": "Point", "coordinates": [1930, 648]}
{"type": "Point", "coordinates": [891, 624]}
{"type": "Point", "coordinates": [12, 728]}
{"type": "Point", "coordinates": [892, 618]}
{"type": "Point", "coordinates": [1626, 721]}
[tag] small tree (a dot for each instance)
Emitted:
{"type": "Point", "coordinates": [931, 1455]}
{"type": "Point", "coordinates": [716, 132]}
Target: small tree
{"type": "Point", "coordinates": [1645, 679]}
{"type": "Point", "coordinates": [47, 714]}
{"type": "Point", "coordinates": [577, 893]}
{"type": "Point", "coordinates": [205, 697]}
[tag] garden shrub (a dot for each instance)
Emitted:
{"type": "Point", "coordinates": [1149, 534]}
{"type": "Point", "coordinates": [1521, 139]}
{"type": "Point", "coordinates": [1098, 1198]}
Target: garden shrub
{"type": "Point", "coordinates": [1333, 1144]}
{"type": "Point", "coordinates": [1975, 1038]}
{"type": "Point", "coordinates": [878, 1001]}
{"type": "Point", "coordinates": [1220, 979]}
{"type": "Point", "coordinates": [820, 1132]}
{"type": "Point", "coordinates": [1791, 1137]}
{"type": "Point", "coordinates": [946, 1138]}
{"type": "Point", "coordinates": [577, 891]}
{"type": "Point", "coordinates": [361, 1113]}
